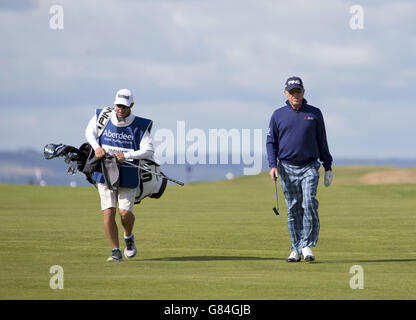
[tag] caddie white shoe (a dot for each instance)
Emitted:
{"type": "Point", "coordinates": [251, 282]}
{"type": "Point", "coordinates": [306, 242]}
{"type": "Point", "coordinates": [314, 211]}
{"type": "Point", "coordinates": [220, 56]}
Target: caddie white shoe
{"type": "Point", "coordinates": [294, 257]}
{"type": "Point", "coordinates": [307, 254]}
{"type": "Point", "coordinates": [130, 251]}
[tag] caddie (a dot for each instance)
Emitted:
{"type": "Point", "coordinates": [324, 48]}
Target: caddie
{"type": "Point", "coordinates": [296, 140]}
{"type": "Point", "coordinates": [117, 131]}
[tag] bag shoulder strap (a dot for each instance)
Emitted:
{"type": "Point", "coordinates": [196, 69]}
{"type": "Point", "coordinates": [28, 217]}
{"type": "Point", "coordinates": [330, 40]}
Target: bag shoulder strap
{"type": "Point", "coordinates": [103, 119]}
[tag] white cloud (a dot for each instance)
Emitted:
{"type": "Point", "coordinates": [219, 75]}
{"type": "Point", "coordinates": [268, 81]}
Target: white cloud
{"type": "Point", "coordinates": [338, 126]}
{"type": "Point", "coordinates": [36, 127]}
{"type": "Point", "coordinates": [391, 13]}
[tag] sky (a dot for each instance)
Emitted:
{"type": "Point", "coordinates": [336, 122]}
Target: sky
{"type": "Point", "coordinates": [213, 64]}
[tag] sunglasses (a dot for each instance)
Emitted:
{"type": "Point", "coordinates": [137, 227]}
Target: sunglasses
{"type": "Point", "coordinates": [122, 106]}
{"type": "Point", "coordinates": [295, 90]}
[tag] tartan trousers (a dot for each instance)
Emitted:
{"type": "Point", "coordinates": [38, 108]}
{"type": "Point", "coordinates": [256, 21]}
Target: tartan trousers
{"type": "Point", "coordinates": [300, 184]}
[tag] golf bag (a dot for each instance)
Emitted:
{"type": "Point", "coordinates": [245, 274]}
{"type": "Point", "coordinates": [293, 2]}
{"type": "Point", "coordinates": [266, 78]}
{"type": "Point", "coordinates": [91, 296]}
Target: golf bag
{"type": "Point", "coordinates": [150, 185]}
{"type": "Point", "coordinates": [152, 182]}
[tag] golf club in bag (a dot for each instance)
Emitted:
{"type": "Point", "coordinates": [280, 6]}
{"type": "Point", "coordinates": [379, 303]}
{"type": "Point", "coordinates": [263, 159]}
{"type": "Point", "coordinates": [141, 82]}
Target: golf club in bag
{"type": "Point", "coordinates": [145, 167]}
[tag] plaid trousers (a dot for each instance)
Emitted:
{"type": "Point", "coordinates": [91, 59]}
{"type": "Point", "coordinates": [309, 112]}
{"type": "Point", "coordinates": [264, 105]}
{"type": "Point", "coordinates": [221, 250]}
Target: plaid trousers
{"type": "Point", "coordinates": [300, 184]}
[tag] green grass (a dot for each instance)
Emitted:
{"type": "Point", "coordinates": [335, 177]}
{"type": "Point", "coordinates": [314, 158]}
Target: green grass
{"type": "Point", "coordinates": [214, 240]}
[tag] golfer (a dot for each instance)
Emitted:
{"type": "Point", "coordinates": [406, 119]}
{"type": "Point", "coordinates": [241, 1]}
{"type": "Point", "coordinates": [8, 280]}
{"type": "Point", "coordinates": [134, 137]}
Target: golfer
{"type": "Point", "coordinates": [127, 137]}
{"type": "Point", "coordinates": [295, 141]}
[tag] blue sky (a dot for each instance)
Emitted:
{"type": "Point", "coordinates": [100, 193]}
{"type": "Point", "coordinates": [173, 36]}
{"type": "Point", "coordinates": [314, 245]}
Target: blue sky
{"type": "Point", "coordinates": [214, 64]}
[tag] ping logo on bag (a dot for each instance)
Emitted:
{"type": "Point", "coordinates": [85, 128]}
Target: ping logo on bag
{"type": "Point", "coordinates": [104, 117]}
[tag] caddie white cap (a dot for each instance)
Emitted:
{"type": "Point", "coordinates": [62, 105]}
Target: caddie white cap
{"type": "Point", "coordinates": [124, 97]}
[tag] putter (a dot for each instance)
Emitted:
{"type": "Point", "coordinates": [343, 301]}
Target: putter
{"type": "Point", "coordinates": [276, 208]}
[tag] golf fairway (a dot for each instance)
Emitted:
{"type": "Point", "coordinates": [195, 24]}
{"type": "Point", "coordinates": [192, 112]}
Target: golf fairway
{"type": "Point", "coordinates": [211, 240]}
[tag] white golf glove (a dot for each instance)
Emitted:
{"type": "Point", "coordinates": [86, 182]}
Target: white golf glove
{"type": "Point", "coordinates": [328, 178]}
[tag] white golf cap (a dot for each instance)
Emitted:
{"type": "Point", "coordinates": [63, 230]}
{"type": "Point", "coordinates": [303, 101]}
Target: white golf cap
{"type": "Point", "coordinates": [124, 97]}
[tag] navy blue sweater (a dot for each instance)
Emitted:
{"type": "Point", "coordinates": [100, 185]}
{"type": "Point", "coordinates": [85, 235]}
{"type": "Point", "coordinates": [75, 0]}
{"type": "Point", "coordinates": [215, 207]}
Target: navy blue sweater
{"type": "Point", "coordinates": [297, 137]}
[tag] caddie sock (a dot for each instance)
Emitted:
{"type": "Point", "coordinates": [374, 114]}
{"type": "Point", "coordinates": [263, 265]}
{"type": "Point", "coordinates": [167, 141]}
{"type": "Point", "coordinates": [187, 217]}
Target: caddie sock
{"type": "Point", "coordinates": [129, 237]}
